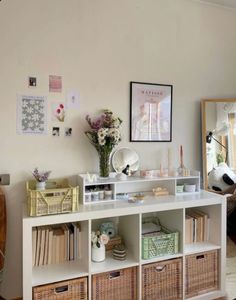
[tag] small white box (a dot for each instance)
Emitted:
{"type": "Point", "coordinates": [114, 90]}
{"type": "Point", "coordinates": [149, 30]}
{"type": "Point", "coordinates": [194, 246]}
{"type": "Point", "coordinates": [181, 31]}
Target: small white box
{"type": "Point", "coordinates": [190, 188]}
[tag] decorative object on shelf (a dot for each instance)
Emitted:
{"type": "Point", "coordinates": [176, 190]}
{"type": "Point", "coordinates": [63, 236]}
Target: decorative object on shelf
{"type": "Point", "coordinates": [104, 135]}
{"type": "Point", "coordinates": [190, 188]}
{"type": "Point", "coordinates": [108, 228]}
{"type": "Point", "coordinates": [91, 177]}
{"type": "Point", "coordinates": [117, 240]}
{"type": "Point", "coordinates": [136, 198]}
{"type": "Point", "coordinates": [182, 171]}
{"type": "Point", "coordinates": [58, 197]}
{"type": "Point", "coordinates": [179, 188]}
{"type": "Point", "coordinates": [119, 252]}
{"type": "Point", "coordinates": [159, 191]}
{"type": "Point", "coordinates": [125, 161]}
{"type": "Point", "coordinates": [99, 240]}
{"type": "Point", "coordinates": [127, 171]}
{"type": "Point", "coordinates": [121, 176]}
{"type": "Point", "coordinates": [107, 194]}
{"type": "Point", "coordinates": [181, 158]}
{"type": "Point", "coordinates": [159, 243]}
{"type": "Point", "coordinates": [149, 173]}
{"type": "Point", "coordinates": [169, 162]}
{"type": "Point", "coordinates": [41, 178]}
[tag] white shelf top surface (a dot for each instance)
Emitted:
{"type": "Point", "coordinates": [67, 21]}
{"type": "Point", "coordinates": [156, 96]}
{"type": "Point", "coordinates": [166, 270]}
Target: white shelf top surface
{"type": "Point", "coordinates": [199, 247]}
{"type": "Point", "coordinates": [160, 258]}
{"type": "Point", "coordinates": [113, 180]}
{"type": "Point", "coordinates": [111, 264]}
{"type": "Point", "coordinates": [123, 207]}
{"type": "Point", "coordinates": [58, 272]}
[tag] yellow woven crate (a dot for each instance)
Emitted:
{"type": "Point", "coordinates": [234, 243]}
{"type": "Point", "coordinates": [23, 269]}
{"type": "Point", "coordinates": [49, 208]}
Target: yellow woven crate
{"type": "Point", "coordinates": [58, 197]}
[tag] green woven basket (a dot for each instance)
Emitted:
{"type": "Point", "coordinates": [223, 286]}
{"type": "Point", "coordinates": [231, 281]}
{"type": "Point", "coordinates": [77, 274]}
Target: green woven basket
{"type": "Point", "coordinates": [165, 243]}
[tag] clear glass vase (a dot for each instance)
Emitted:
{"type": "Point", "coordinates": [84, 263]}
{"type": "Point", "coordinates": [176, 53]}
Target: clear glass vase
{"type": "Point", "coordinates": [104, 161]}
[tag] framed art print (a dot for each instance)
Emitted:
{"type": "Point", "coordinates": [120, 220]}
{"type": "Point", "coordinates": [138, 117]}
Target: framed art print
{"type": "Point", "coordinates": [150, 112]}
{"type": "Point", "coordinates": [31, 115]}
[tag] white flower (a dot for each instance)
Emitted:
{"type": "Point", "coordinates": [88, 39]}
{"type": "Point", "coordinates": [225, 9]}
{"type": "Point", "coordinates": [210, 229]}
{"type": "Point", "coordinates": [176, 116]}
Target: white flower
{"type": "Point", "coordinates": [101, 141]}
{"type": "Point", "coordinates": [102, 132]}
{"type": "Point", "coordinates": [29, 110]}
{"type": "Point", "coordinates": [35, 117]}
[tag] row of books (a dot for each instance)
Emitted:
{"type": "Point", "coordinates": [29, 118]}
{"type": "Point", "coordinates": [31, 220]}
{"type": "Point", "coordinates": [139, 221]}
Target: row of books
{"type": "Point", "coordinates": [56, 244]}
{"type": "Point", "coordinates": [196, 226]}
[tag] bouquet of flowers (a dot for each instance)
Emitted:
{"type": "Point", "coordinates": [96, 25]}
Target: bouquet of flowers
{"type": "Point", "coordinates": [41, 176]}
{"type": "Point", "coordinates": [99, 239]}
{"type": "Point", "coordinates": [104, 135]}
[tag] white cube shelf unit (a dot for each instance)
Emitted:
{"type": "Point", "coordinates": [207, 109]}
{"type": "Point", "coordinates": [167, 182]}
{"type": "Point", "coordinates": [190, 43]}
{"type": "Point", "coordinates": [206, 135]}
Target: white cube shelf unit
{"type": "Point", "coordinates": [132, 184]}
{"type": "Point", "coordinates": [128, 217]}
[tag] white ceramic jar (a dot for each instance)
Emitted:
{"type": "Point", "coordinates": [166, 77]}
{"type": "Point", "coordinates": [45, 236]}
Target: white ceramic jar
{"type": "Point", "coordinates": [98, 254]}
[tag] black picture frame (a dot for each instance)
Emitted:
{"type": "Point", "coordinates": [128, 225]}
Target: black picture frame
{"type": "Point", "coordinates": [150, 112]}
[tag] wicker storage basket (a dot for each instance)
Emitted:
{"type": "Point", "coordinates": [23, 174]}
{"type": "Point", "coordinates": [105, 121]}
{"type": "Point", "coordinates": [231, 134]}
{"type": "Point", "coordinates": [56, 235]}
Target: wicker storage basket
{"type": "Point", "coordinates": [75, 289]}
{"type": "Point", "coordinates": [201, 273]}
{"type": "Point", "coordinates": [154, 245]}
{"type": "Point", "coordinates": [115, 285]}
{"type": "Point", "coordinates": [162, 280]}
{"type": "Point", "coordinates": [113, 242]}
{"type": "Point", "coordinates": [58, 197]}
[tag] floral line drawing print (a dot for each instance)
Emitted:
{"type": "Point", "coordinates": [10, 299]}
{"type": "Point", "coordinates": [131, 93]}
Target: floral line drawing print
{"type": "Point", "coordinates": [31, 115]}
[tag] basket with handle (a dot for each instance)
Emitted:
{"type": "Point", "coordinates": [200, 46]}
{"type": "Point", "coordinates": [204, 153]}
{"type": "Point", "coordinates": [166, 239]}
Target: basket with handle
{"type": "Point", "coordinates": [162, 280]}
{"type": "Point", "coordinates": [201, 273]}
{"type": "Point", "coordinates": [115, 285]}
{"type": "Point", "coordinates": [58, 197]}
{"type": "Point", "coordinates": [159, 244]}
{"type": "Point", "coordinates": [75, 289]}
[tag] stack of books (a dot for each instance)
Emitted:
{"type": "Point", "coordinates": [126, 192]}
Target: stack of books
{"type": "Point", "coordinates": [56, 244]}
{"type": "Point", "coordinates": [196, 226]}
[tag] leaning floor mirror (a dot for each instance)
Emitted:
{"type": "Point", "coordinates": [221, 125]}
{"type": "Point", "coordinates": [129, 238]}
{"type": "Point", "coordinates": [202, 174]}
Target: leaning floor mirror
{"type": "Point", "coordinates": [218, 137]}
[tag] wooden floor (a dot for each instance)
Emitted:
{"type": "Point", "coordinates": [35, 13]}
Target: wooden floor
{"type": "Point", "coordinates": [231, 270]}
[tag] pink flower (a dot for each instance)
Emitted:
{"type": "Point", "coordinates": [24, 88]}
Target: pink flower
{"type": "Point", "coordinates": [104, 238]}
{"type": "Point", "coordinates": [61, 106]}
{"type": "Point", "coordinates": [58, 110]}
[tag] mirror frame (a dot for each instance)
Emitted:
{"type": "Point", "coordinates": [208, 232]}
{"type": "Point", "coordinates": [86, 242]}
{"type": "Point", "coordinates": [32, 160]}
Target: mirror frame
{"type": "Point", "coordinates": [131, 150]}
{"type": "Point", "coordinates": [204, 130]}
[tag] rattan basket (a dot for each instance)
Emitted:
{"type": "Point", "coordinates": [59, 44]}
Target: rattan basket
{"type": "Point", "coordinates": [113, 242]}
{"type": "Point", "coordinates": [165, 243]}
{"type": "Point", "coordinates": [58, 197]}
{"type": "Point", "coordinates": [115, 285]}
{"type": "Point", "coordinates": [162, 280]}
{"type": "Point", "coordinates": [75, 289]}
{"type": "Point", "coordinates": [201, 273]}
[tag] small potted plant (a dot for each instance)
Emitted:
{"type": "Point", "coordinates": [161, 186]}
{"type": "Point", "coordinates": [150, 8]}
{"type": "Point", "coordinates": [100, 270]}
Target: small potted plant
{"type": "Point", "coordinates": [99, 240]}
{"type": "Point", "coordinates": [41, 178]}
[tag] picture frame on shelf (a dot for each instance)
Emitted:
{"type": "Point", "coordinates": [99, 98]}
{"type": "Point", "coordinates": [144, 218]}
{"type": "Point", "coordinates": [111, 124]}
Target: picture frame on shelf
{"type": "Point", "coordinates": [150, 112]}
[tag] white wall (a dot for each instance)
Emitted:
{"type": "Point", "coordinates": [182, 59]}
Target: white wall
{"type": "Point", "coordinates": [99, 46]}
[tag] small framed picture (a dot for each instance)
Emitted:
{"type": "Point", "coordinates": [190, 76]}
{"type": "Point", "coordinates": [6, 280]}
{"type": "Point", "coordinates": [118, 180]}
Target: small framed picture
{"type": "Point", "coordinates": [55, 131]}
{"type": "Point", "coordinates": [68, 131]}
{"type": "Point", "coordinates": [32, 81]}
{"type": "Point", "coordinates": [150, 112]}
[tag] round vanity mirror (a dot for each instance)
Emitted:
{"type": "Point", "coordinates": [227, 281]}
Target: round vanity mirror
{"type": "Point", "coordinates": [125, 160]}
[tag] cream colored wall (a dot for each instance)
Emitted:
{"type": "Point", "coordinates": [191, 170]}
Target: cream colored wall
{"type": "Point", "coordinates": [98, 47]}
